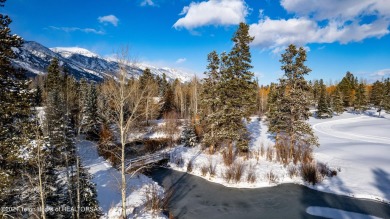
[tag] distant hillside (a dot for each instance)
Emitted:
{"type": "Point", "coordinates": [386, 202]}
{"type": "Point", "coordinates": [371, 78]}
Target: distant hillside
{"type": "Point", "coordinates": [81, 63]}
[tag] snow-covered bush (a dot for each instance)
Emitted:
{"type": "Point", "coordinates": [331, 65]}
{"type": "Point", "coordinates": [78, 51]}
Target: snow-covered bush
{"type": "Point", "coordinates": [188, 137]}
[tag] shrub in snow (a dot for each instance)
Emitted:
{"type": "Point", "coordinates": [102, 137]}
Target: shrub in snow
{"type": "Point", "coordinates": [324, 170]}
{"type": "Point", "coordinates": [251, 176]}
{"type": "Point", "coordinates": [272, 178]}
{"type": "Point", "coordinates": [188, 137]}
{"type": "Point", "coordinates": [292, 171]}
{"type": "Point", "coordinates": [177, 159]}
{"type": "Point", "coordinates": [212, 168]}
{"type": "Point", "coordinates": [234, 172]}
{"type": "Point", "coordinates": [228, 156]}
{"type": "Point", "coordinates": [189, 166]}
{"type": "Point", "coordinates": [204, 169]}
{"type": "Point", "coordinates": [310, 173]}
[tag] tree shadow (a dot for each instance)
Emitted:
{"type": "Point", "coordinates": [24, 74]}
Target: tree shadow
{"type": "Point", "coordinates": [254, 129]}
{"type": "Point", "coordinates": [382, 182]}
{"type": "Point", "coordinates": [314, 198]}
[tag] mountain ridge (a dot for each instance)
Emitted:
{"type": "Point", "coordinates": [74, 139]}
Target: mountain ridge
{"type": "Point", "coordinates": [82, 63]}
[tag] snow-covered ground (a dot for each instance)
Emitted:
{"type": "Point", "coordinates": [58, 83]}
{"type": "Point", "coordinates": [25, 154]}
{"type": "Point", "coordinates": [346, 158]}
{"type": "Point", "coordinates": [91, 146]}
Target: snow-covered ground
{"type": "Point", "coordinates": [107, 181]}
{"type": "Point", "coordinates": [356, 144]}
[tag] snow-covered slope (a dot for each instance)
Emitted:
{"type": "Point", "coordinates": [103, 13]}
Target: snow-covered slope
{"type": "Point", "coordinates": [69, 51]}
{"type": "Point", "coordinates": [81, 63]}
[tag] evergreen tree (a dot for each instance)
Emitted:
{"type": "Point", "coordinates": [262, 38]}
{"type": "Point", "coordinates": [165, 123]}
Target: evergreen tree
{"type": "Point", "coordinates": [188, 137]}
{"type": "Point", "coordinates": [211, 101]}
{"type": "Point", "coordinates": [347, 87]}
{"type": "Point", "coordinates": [323, 109]}
{"type": "Point", "coordinates": [377, 96]}
{"type": "Point", "coordinates": [89, 114]}
{"type": "Point", "coordinates": [146, 77]}
{"type": "Point", "coordinates": [292, 106]}
{"type": "Point", "coordinates": [84, 193]}
{"type": "Point", "coordinates": [360, 103]}
{"type": "Point", "coordinates": [337, 102]}
{"type": "Point", "coordinates": [238, 89]}
{"type": "Point", "coordinates": [386, 98]}
{"type": "Point", "coordinates": [15, 119]}
{"type": "Point", "coordinates": [168, 101]}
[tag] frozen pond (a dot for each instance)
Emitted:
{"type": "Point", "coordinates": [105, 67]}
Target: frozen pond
{"type": "Point", "coordinates": [195, 197]}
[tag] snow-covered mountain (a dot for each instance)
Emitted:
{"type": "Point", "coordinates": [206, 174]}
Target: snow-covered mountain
{"type": "Point", "coordinates": [81, 63]}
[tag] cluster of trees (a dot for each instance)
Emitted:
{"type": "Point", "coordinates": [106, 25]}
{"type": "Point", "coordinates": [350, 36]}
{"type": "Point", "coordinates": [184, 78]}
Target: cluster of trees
{"type": "Point", "coordinates": [349, 93]}
{"type": "Point", "coordinates": [39, 167]}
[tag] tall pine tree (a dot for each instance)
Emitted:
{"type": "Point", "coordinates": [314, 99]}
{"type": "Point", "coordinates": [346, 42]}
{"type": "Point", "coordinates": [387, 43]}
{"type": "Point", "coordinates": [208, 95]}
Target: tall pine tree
{"type": "Point", "coordinates": [360, 103]}
{"type": "Point", "coordinates": [323, 108]}
{"type": "Point", "coordinates": [291, 107]}
{"type": "Point", "coordinates": [15, 119]}
{"type": "Point", "coordinates": [238, 89]}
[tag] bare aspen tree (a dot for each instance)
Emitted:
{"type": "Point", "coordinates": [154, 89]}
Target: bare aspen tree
{"type": "Point", "coordinates": [151, 106]}
{"type": "Point", "coordinates": [40, 165]}
{"type": "Point", "coordinates": [179, 98]}
{"type": "Point", "coordinates": [124, 98]}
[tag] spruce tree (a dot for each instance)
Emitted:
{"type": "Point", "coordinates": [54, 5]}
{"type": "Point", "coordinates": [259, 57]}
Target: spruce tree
{"type": "Point", "coordinates": [386, 98]}
{"type": "Point", "coordinates": [84, 193]}
{"type": "Point", "coordinates": [211, 101]}
{"type": "Point", "coordinates": [292, 106]}
{"type": "Point", "coordinates": [15, 119]}
{"type": "Point", "coordinates": [347, 87]}
{"type": "Point", "coordinates": [360, 103]}
{"type": "Point", "coordinates": [323, 109]}
{"type": "Point", "coordinates": [377, 96]}
{"type": "Point", "coordinates": [337, 102]}
{"type": "Point", "coordinates": [238, 89]}
{"type": "Point", "coordinates": [188, 137]}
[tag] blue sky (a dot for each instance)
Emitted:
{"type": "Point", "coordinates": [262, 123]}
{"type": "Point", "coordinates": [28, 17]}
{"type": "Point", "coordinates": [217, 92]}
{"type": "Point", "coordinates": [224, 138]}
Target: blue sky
{"type": "Point", "coordinates": [340, 36]}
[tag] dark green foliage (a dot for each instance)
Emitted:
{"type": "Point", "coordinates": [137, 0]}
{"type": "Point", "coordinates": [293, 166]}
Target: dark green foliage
{"type": "Point", "coordinates": [377, 97]}
{"type": "Point", "coordinates": [347, 87]}
{"type": "Point", "coordinates": [323, 108]}
{"type": "Point", "coordinates": [89, 115]}
{"type": "Point", "coordinates": [386, 99]}
{"type": "Point", "coordinates": [289, 106]}
{"type": "Point", "coordinates": [210, 101]}
{"type": "Point", "coordinates": [360, 103]}
{"type": "Point", "coordinates": [189, 138]}
{"type": "Point", "coordinates": [15, 119]}
{"type": "Point", "coordinates": [229, 94]}
{"type": "Point", "coordinates": [85, 190]}
{"type": "Point", "coordinates": [146, 77]}
{"type": "Point", "coordinates": [168, 101]}
{"type": "Point", "coordinates": [337, 102]}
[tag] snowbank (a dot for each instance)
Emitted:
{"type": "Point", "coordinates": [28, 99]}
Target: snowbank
{"type": "Point", "coordinates": [107, 181]}
{"type": "Point", "coordinates": [358, 145]}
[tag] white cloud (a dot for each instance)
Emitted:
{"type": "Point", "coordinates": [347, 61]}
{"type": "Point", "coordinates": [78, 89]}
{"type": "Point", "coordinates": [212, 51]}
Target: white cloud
{"type": "Point", "coordinates": [379, 75]}
{"type": "Point", "coordinates": [73, 29]}
{"type": "Point", "coordinates": [112, 19]}
{"type": "Point", "coordinates": [148, 3]}
{"type": "Point", "coordinates": [212, 12]}
{"type": "Point", "coordinates": [343, 23]}
{"type": "Point", "coordinates": [383, 72]}
{"type": "Point", "coordinates": [181, 60]}
{"type": "Point", "coordinates": [332, 9]}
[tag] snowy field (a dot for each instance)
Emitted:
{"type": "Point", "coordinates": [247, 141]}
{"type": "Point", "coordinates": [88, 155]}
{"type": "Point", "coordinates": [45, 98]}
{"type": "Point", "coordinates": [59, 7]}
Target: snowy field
{"type": "Point", "coordinates": [358, 145]}
{"type": "Point", "coordinates": [107, 181]}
